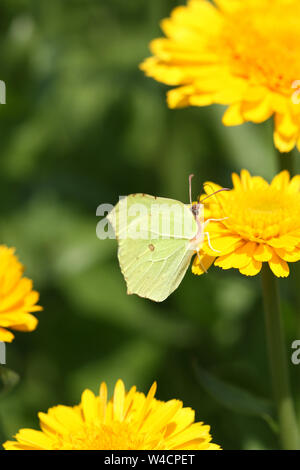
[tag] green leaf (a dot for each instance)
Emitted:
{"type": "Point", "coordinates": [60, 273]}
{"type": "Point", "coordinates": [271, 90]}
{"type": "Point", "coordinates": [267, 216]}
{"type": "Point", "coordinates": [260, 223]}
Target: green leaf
{"type": "Point", "coordinates": [234, 398]}
{"type": "Point", "coordinates": [8, 380]}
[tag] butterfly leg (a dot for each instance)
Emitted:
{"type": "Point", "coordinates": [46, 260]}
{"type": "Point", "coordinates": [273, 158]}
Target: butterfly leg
{"type": "Point", "coordinates": [209, 243]}
{"type": "Point", "coordinates": [208, 240]}
{"type": "Point", "coordinates": [207, 233]}
{"type": "Point", "coordinates": [214, 220]}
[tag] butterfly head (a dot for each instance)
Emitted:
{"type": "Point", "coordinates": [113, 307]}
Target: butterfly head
{"type": "Point", "coordinates": [195, 209]}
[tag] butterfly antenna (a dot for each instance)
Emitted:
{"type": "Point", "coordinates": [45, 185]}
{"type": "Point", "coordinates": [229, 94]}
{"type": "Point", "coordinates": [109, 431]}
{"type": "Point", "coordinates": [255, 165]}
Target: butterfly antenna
{"type": "Point", "coordinates": [190, 187]}
{"type": "Point", "coordinates": [216, 192]}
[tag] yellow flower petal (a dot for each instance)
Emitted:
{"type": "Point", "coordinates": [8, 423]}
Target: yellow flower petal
{"type": "Point", "coordinates": [257, 111]}
{"type": "Point", "coordinates": [288, 256]}
{"type": "Point", "coordinates": [263, 252]}
{"type": "Point", "coordinates": [33, 439]}
{"type": "Point", "coordinates": [160, 417]}
{"type": "Point", "coordinates": [17, 299]}
{"type": "Point", "coordinates": [262, 224]}
{"type": "Point", "coordinates": [102, 401]}
{"type": "Point", "coordinates": [286, 126]}
{"type": "Point", "coordinates": [179, 97]}
{"type": "Point", "coordinates": [279, 267]}
{"type": "Point", "coordinates": [252, 268]}
{"type": "Point", "coordinates": [281, 181]}
{"type": "Point", "coordinates": [222, 245]}
{"type": "Point", "coordinates": [294, 186]}
{"type": "Point", "coordinates": [51, 425]}
{"type": "Point", "coordinates": [210, 188]}
{"type": "Point", "coordinates": [147, 424]}
{"type": "Point", "coordinates": [283, 143]}
{"type": "Point", "coordinates": [233, 115]}
{"type": "Point", "coordinates": [119, 401]}
{"type": "Point", "coordinates": [89, 405]}
{"type": "Point", "coordinates": [6, 336]}
{"type": "Point", "coordinates": [200, 266]}
{"type": "Point", "coordinates": [238, 258]}
{"type": "Point", "coordinates": [226, 261]}
{"type": "Point", "coordinates": [244, 54]}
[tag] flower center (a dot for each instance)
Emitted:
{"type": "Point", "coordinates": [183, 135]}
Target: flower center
{"type": "Point", "coordinates": [117, 436]}
{"type": "Point", "coordinates": [260, 214]}
{"type": "Point", "coordinates": [262, 43]}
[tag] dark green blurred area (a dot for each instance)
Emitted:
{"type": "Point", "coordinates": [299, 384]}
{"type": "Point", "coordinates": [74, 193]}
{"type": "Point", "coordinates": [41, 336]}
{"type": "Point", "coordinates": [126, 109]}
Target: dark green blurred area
{"type": "Point", "coordinates": [81, 126]}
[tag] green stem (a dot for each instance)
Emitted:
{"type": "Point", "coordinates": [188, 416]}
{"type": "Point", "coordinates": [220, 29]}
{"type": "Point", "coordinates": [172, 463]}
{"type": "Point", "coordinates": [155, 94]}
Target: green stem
{"type": "Point", "coordinates": [278, 362]}
{"type": "Point", "coordinates": [2, 437]}
{"type": "Point", "coordinates": [288, 161]}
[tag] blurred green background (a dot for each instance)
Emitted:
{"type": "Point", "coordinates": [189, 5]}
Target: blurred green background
{"type": "Point", "coordinates": [81, 126]}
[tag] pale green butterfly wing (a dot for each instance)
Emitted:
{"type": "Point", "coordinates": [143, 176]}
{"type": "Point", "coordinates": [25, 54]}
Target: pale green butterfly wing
{"type": "Point", "coordinates": [154, 243]}
{"type": "Point", "coordinates": [154, 277]}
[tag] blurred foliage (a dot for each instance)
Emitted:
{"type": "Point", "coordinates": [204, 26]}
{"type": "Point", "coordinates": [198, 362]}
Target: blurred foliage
{"type": "Point", "coordinates": [81, 126]}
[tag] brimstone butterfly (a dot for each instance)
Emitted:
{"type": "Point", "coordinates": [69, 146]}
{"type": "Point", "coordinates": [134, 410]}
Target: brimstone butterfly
{"type": "Point", "coordinates": [157, 239]}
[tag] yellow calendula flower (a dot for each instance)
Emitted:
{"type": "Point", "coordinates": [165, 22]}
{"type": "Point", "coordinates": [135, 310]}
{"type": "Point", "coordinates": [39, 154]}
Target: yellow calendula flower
{"type": "Point", "coordinates": [240, 53]}
{"type": "Point", "coordinates": [129, 421]}
{"type": "Point", "coordinates": [261, 224]}
{"type": "Point", "coordinates": [17, 299]}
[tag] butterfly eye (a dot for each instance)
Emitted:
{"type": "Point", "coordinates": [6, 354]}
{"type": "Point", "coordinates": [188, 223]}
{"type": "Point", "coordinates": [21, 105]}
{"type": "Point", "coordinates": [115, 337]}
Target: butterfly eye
{"type": "Point", "coordinates": [195, 209]}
